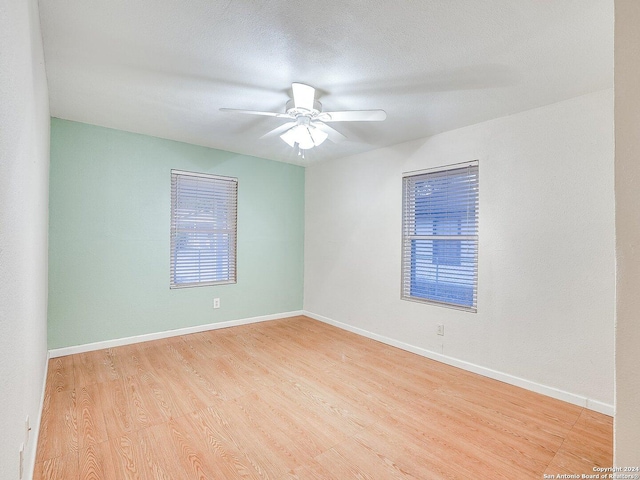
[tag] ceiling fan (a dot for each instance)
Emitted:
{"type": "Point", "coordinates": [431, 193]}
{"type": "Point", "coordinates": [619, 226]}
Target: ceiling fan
{"type": "Point", "coordinates": [308, 126]}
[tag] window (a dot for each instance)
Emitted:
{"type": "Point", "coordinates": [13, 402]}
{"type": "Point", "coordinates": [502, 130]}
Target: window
{"type": "Point", "coordinates": [203, 229]}
{"type": "Point", "coordinates": [440, 236]}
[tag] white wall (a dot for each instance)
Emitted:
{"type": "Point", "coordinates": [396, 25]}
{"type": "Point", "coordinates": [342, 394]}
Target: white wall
{"type": "Point", "coordinates": [627, 182]}
{"type": "Point", "coordinates": [546, 253]}
{"type": "Point", "coordinates": [24, 173]}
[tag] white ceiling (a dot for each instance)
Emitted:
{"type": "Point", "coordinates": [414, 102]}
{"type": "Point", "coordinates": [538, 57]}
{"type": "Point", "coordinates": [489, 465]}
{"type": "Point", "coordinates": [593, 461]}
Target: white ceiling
{"type": "Point", "coordinates": [165, 67]}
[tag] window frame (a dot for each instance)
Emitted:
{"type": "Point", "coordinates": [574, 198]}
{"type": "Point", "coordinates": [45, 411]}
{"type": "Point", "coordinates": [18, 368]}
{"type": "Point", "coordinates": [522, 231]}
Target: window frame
{"type": "Point", "coordinates": [408, 249]}
{"type": "Point", "coordinates": [233, 250]}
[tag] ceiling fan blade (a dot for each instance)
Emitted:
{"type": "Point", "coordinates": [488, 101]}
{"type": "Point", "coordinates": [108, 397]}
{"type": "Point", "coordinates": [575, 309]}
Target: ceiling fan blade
{"type": "Point", "coordinates": [303, 96]}
{"type": "Point", "coordinates": [278, 130]}
{"type": "Point", "coordinates": [254, 112]}
{"type": "Point", "coordinates": [353, 116]}
{"type": "Point", "coordinates": [334, 135]}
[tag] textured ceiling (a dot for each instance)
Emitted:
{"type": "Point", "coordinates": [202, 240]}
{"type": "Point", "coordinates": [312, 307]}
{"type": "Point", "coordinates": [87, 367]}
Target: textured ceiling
{"type": "Point", "coordinates": [165, 67]}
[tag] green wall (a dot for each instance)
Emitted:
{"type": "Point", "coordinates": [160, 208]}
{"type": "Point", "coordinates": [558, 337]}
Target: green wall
{"type": "Point", "coordinates": [109, 214]}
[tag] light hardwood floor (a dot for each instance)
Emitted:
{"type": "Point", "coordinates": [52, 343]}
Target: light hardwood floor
{"type": "Point", "coordinates": [298, 399]}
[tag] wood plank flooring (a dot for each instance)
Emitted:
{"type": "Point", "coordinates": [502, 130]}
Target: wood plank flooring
{"type": "Point", "coordinates": [299, 399]}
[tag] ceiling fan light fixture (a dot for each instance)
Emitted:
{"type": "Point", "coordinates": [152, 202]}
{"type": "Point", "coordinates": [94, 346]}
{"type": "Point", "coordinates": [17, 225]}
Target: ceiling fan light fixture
{"type": "Point", "coordinates": [306, 136]}
{"type": "Point", "coordinates": [290, 136]}
{"type": "Point", "coordinates": [317, 135]}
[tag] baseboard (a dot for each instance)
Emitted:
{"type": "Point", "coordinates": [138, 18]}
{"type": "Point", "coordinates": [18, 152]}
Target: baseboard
{"type": "Point", "coordinates": [600, 407]}
{"type": "Point", "coordinates": [471, 367]}
{"type": "Point", "coordinates": [118, 342]}
{"type": "Point", "coordinates": [591, 404]}
{"type": "Point", "coordinates": [35, 427]}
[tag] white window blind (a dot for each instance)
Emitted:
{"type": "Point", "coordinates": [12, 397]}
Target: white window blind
{"type": "Point", "coordinates": [440, 236]}
{"type": "Point", "coordinates": [203, 229]}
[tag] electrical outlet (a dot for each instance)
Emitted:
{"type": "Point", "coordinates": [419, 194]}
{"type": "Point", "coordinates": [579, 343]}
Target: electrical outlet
{"type": "Point", "coordinates": [440, 329]}
{"type": "Point", "coordinates": [216, 303]}
{"type": "Point", "coordinates": [21, 460]}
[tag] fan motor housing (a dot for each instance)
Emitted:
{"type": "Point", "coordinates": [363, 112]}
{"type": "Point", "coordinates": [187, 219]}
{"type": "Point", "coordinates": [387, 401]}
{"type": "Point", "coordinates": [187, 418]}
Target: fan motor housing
{"type": "Point", "coordinates": [292, 110]}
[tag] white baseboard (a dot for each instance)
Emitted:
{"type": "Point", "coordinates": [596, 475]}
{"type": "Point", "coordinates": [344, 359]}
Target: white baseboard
{"type": "Point", "coordinates": [35, 427]}
{"type": "Point", "coordinates": [591, 404]}
{"type": "Point", "coordinates": [118, 342]}
{"type": "Point", "coordinates": [471, 367]}
{"type": "Point", "coordinates": [600, 407]}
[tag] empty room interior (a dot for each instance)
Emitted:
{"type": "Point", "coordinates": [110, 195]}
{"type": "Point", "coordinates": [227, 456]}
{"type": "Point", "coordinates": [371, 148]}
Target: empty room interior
{"type": "Point", "coordinates": [319, 240]}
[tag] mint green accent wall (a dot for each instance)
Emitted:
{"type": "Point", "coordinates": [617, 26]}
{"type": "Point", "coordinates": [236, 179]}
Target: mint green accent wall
{"type": "Point", "coordinates": [109, 218]}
